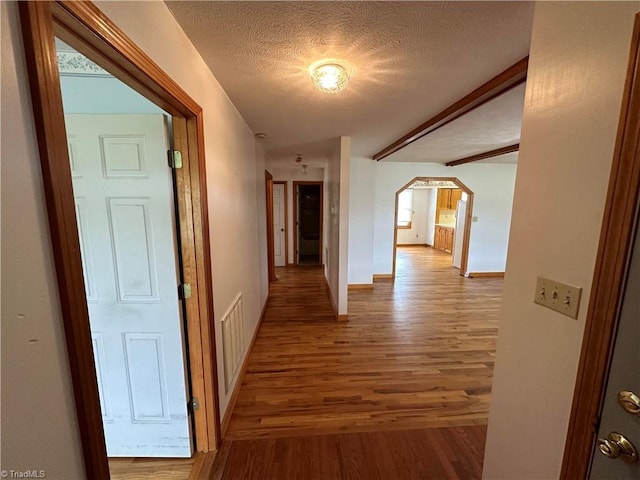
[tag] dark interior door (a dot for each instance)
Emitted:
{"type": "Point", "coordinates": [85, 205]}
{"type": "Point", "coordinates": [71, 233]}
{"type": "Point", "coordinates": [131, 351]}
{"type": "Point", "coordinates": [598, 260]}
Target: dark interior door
{"type": "Point", "coordinates": [309, 224]}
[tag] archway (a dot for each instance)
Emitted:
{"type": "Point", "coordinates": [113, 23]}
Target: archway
{"type": "Point", "coordinates": [436, 182]}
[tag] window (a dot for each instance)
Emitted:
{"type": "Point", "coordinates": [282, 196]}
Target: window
{"type": "Point", "coordinates": [405, 208]}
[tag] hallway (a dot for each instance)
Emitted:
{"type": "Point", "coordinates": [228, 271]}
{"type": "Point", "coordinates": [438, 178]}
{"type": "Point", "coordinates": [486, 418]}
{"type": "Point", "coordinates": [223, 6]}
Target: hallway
{"type": "Point", "coordinates": [400, 391]}
{"type": "Point", "coordinates": [416, 353]}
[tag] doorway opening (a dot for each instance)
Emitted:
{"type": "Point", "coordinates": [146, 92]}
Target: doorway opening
{"type": "Point", "coordinates": [434, 212]}
{"type": "Point", "coordinates": [135, 274]}
{"type": "Point", "coordinates": [308, 217]}
{"type": "Point", "coordinates": [125, 206]}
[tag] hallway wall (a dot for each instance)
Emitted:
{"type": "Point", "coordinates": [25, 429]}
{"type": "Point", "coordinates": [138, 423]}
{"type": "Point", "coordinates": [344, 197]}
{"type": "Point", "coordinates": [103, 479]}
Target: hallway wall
{"type": "Point", "coordinates": [37, 399]}
{"type": "Point", "coordinates": [577, 70]}
{"type": "Point", "coordinates": [337, 222]}
{"type": "Point", "coordinates": [35, 372]}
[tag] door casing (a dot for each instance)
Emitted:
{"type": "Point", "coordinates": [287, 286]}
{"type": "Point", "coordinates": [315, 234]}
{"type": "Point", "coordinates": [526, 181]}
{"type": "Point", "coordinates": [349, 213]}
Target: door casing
{"type": "Point", "coordinates": [268, 186]}
{"type": "Point", "coordinates": [83, 26]}
{"type": "Point", "coordinates": [612, 263]}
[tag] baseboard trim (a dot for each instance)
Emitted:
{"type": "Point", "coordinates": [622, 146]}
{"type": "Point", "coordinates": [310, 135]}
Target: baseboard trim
{"type": "Point", "coordinates": [236, 389]}
{"type": "Point", "coordinates": [360, 286]}
{"type": "Point", "coordinates": [342, 317]}
{"type": "Point", "coordinates": [400, 245]}
{"type": "Point", "coordinates": [382, 276]}
{"type": "Point", "coordinates": [485, 274]}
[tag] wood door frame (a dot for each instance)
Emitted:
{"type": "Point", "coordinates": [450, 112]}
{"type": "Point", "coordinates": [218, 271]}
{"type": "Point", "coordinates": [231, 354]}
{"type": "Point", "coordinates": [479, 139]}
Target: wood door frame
{"type": "Point", "coordinates": [609, 279]}
{"type": "Point", "coordinates": [83, 26]}
{"type": "Point", "coordinates": [295, 215]}
{"type": "Point", "coordinates": [467, 227]}
{"type": "Point", "coordinates": [268, 186]}
{"type": "Point", "coordinates": [286, 222]}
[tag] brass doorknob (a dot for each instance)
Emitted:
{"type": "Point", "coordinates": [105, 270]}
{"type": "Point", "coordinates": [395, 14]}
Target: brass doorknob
{"type": "Point", "coordinates": [629, 401]}
{"type": "Point", "coordinates": [616, 445]}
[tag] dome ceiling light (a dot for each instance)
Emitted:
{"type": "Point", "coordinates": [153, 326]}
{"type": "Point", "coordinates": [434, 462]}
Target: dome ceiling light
{"type": "Point", "coordinates": [329, 77]}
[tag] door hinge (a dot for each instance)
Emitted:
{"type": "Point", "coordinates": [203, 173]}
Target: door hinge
{"type": "Point", "coordinates": [193, 404]}
{"type": "Point", "coordinates": [184, 291]}
{"type": "Point", "coordinates": [175, 159]}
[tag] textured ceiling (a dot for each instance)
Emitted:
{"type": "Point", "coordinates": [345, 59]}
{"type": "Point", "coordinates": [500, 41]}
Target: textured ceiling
{"type": "Point", "coordinates": [408, 61]}
{"type": "Point", "coordinates": [493, 125]}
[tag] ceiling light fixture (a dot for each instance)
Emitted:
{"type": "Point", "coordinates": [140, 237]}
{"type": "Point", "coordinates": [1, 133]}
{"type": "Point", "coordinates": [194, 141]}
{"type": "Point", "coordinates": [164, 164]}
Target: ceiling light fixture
{"type": "Point", "coordinates": [329, 77]}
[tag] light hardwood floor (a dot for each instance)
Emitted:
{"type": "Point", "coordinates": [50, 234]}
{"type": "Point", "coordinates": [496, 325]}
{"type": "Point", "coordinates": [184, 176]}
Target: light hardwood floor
{"type": "Point", "coordinates": [400, 391]}
{"type": "Point", "coordinates": [416, 353]}
{"type": "Point", "coordinates": [147, 468]}
{"type": "Point", "coordinates": [427, 454]}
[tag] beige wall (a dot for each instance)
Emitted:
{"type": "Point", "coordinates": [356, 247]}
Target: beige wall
{"type": "Point", "coordinates": [343, 208]}
{"type": "Point", "coordinates": [577, 69]}
{"type": "Point", "coordinates": [336, 222]}
{"type": "Point", "coordinates": [39, 429]}
{"type": "Point", "coordinates": [38, 418]}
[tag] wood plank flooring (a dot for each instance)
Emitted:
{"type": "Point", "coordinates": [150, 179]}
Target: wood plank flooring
{"type": "Point", "coordinates": [430, 454]}
{"type": "Point", "coordinates": [416, 353]}
{"type": "Point", "coordinates": [147, 468]}
{"type": "Point", "coordinates": [401, 391]}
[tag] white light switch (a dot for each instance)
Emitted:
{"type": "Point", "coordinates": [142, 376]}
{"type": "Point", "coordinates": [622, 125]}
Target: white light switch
{"type": "Point", "coordinates": [558, 296]}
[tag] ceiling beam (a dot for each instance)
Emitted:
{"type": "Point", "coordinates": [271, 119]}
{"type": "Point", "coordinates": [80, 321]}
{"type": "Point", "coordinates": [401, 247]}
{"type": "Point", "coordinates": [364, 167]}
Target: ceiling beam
{"type": "Point", "coordinates": [501, 83]}
{"type": "Point", "coordinates": [481, 156]}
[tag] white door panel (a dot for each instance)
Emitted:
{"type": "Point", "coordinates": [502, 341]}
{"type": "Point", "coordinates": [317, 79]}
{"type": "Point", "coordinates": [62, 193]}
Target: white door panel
{"type": "Point", "coordinates": [124, 203]}
{"type": "Point", "coordinates": [279, 219]}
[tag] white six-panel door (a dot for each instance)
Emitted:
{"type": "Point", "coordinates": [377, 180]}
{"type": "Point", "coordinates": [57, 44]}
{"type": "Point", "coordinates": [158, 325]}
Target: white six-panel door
{"type": "Point", "coordinates": [124, 203]}
{"type": "Point", "coordinates": [279, 219]}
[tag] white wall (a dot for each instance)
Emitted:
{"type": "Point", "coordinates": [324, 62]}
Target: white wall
{"type": "Point", "coordinates": [39, 427]}
{"type": "Point", "coordinates": [343, 244]}
{"type": "Point", "coordinates": [261, 213]}
{"type": "Point", "coordinates": [419, 222]}
{"type": "Point", "coordinates": [337, 219]}
{"type": "Point", "coordinates": [361, 198]}
{"type": "Point", "coordinates": [577, 69]}
{"type": "Point", "coordinates": [34, 363]}
{"type": "Point", "coordinates": [492, 185]}
{"type": "Point", "coordinates": [291, 175]}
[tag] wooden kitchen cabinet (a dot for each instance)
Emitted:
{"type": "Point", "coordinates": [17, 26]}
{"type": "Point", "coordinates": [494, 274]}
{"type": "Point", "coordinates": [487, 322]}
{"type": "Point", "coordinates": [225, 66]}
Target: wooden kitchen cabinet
{"type": "Point", "coordinates": [448, 240]}
{"type": "Point", "coordinates": [456, 195]}
{"type": "Point", "coordinates": [448, 198]}
{"type": "Point", "coordinates": [444, 198]}
{"type": "Point", "coordinates": [443, 239]}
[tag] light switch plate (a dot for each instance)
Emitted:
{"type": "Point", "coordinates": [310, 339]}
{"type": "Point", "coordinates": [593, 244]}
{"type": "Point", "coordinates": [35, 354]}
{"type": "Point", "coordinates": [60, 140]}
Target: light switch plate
{"type": "Point", "coordinates": [558, 296]}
